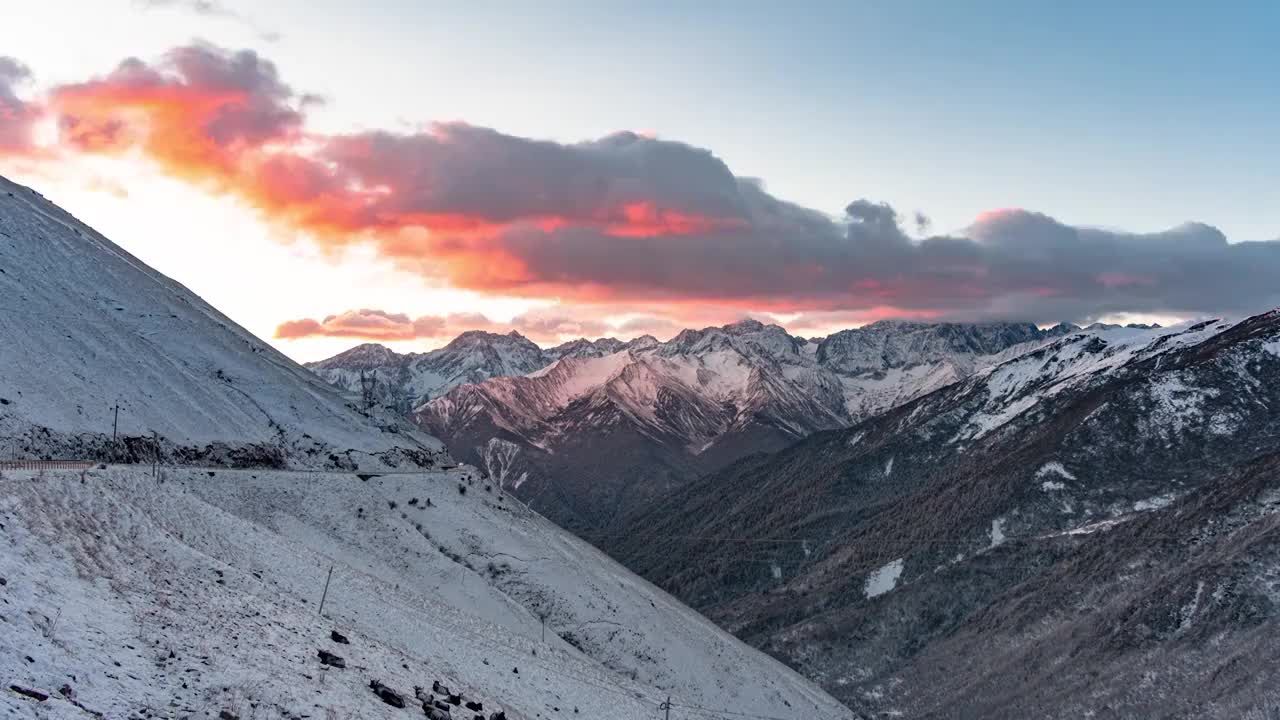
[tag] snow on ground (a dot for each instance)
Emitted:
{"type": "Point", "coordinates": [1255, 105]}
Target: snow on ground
{"type": "Point", "coordinates": [884, 579]}
{"type": "Point", "coordinates": [1178, 405]}
{"type": "Point", "coordinates": [194, 593]}
{"type": "Point", "coordinates": [1054, 468]}
{"type": "Point", "coordinates": [1019, 384]}
{"type": "Point", "coordinates": [1155, 503]}
{"type": "Point", "coordinates": [997, 532]}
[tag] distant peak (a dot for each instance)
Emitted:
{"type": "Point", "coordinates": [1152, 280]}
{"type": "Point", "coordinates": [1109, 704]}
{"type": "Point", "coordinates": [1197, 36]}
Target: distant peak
{"type": "Point", "coordinates": [745, 325]}
{"type": "Point", "coordinates": [476, 337]}
{"type": "Point", "coordinates": [365, 355]}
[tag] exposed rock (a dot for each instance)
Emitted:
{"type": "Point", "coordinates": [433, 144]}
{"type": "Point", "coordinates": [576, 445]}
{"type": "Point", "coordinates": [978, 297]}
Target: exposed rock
{"type": "Point", "coordinates": [328, 658]}
{"type": "Point", "coordinates": [386, 694]}
{"type": "Point", "coordinates": [33, 694]}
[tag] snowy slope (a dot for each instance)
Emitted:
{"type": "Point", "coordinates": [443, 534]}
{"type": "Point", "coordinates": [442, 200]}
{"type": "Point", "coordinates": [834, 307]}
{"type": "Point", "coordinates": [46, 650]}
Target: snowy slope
{"type": "Point", "coordinates": [198, 594]}
{"type": "Point", "coordinates": [86, 326]}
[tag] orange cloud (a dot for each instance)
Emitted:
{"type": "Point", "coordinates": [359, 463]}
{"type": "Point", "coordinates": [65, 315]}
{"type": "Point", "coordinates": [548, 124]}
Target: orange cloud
{"type": "Point", "coordinates": [548, 326]}
{"type": "Point", "coordinates": [202, 113]}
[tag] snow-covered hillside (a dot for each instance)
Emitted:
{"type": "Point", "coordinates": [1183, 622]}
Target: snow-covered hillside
{"type": "Point", "coordinates": [86, 326]}
{"type": "Point", "coordinates": [198, 593]}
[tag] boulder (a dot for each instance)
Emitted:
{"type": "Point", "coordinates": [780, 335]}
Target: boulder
{"type": "Point", "coordinates": [386, 694]}
{"type": "Point", "coordinates": [328, 658]}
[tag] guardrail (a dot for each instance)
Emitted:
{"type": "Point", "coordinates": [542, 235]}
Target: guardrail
{"type": "Point", "coordinates": [46, 464]}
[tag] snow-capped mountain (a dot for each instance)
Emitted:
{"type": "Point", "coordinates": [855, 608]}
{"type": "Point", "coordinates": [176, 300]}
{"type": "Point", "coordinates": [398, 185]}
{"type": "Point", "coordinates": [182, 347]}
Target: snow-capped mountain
{"type": "Point", "coordinates": [405, 381]}
{"type": "Point", "coordinates": [182, 591]}
{"type": "Point", "coordinates": [1094, 519]}
{"type": "Point", "coordinates": [589, 437]}
{"type": "Point", "coordinates": [377, 375]}
{"type": "Point", "coordinates": [582, 348]}
{"type": "Point", "coordinates": [86, 328]}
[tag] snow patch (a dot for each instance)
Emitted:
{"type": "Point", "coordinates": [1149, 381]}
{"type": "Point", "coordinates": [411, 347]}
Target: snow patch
{"type": "Point", "coordinates": [1155, 503]}
{"type": "Point", "coordinates": [1188, 611]}
{"type": "Point", "coordinates": [1179, 405]}
{"type": "Point", "coordinates": [1054, 468]}
{"type": "Point", "coordinates": [883, 580]}
{"type": "Point", "coordinates": [997, 532]}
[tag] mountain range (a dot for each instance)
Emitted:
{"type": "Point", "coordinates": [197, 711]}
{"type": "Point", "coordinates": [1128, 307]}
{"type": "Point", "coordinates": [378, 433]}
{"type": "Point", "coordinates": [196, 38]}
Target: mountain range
{"type": "Point", "coordinates": [592, 430]}
{"type": "Point", "coordinates": [380, 376]}
{"type": "Point", "coordinates": [1089, 528]}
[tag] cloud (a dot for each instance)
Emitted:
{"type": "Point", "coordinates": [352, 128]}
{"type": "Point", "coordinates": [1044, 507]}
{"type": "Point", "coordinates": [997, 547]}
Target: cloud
{"type": "Point", "coordinates": [199, 7]}
{"type": "Point", "coordinates": [201, 112]}
{"type": "Point", "coordinates": [549, 325]}
{"type": "Point", "coordinates": [628, 219]}
{"type": "Point", "coordinates": [554, 323]}
{"type": "Point", "coordinates": [210, 8]}
{"type": "Point", "coordinates": [366, 324]}
{"type": "Point", "coordinates": [98, 183]}
{"type": "Point", "coordinates": [17, 116]}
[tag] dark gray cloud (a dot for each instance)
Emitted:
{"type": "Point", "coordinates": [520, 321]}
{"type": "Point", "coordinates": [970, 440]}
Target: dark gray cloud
{"type": "Point", "coordinates": [1009, 265]}
{"type": "Point", "coordinates": [463, 170]}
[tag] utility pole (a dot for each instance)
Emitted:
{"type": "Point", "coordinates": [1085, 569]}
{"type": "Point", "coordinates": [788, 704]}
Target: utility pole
{"type": "Point", "coordinates": [115, 426]}
{"type": "Point", "coordinates": [325, 594]}
{"type": "Point", "coordinates": [666, 706]}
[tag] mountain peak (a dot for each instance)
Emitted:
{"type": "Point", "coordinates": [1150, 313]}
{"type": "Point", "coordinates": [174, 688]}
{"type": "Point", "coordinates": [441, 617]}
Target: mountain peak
{"type": "Point", "coordinates": [644, 342]}
{"type": "Point", "coordinates": [484, 337]}
{"type": "Point", "coordinates": [361, 357]}
{"type": "Point", "coordinates": [745, 325]}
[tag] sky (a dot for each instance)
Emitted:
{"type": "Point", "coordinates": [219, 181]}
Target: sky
{"type": "Point", "coordinates": [330, 172]}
